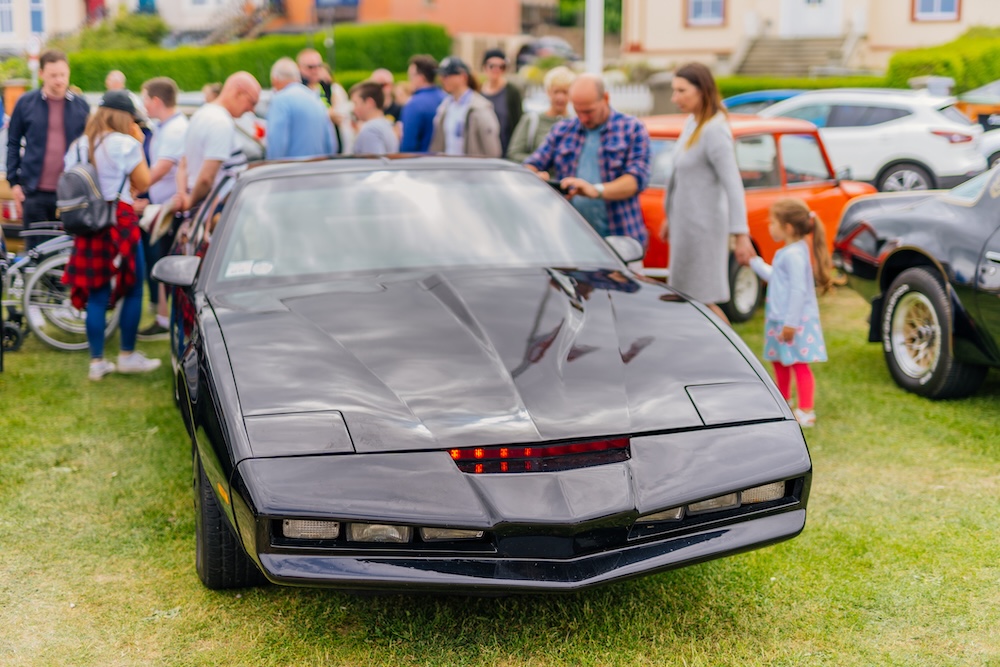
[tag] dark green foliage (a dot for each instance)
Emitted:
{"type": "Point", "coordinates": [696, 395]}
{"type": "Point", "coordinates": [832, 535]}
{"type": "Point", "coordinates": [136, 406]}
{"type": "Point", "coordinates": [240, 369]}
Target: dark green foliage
{"type": "Point", "coordinates": [972, 60]}
{"type": "Point", "coordinates": [733, 85]}
{"type": "Point", "coordinates": [127, 32]}
{"type": "Point", "coordinates": [571, 13]}
{"type": "Point", "coordinates": [358, 49]}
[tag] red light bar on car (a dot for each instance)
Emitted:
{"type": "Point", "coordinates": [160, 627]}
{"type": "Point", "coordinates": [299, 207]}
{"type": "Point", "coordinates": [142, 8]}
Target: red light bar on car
{"type": "Point", "coordinates": [543, 458]}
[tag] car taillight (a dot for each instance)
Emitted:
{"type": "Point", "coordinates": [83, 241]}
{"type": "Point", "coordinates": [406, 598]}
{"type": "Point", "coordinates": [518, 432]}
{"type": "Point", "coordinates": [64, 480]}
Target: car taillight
{"type": "Point", "coordinates": [953, 137]}
{"type": "Point", "coordinates": [540, 458]}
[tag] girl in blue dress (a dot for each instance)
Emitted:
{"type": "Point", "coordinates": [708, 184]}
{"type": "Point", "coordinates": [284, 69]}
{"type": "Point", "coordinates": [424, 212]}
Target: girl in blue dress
{"type": "Point", "coordinates": [793, 336]}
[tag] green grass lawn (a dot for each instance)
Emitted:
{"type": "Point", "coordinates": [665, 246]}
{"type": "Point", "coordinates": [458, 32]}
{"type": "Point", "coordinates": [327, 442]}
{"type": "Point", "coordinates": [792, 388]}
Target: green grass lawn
{"type": "Point", "coordinates": [899, 563]}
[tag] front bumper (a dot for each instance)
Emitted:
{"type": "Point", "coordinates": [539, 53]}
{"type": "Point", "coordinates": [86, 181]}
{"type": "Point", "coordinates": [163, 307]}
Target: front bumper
{"type": "Point", "coordinates": [552, 531]}
{"type": "Point", "coordinates": [454, 574]}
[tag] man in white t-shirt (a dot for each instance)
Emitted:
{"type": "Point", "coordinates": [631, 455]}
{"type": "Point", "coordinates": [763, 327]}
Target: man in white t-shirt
{"type": "Point", "coordinates": [159, 96]}
{"type": "Point", "coordinates": [210, 147]}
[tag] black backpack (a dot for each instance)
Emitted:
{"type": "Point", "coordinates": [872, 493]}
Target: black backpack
{"type": "Point", "coordinates": [80, 205]}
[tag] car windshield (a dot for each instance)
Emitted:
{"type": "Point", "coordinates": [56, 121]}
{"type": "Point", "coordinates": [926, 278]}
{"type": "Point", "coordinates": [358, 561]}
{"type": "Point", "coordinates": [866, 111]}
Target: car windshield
{"type": "Point", "coordinates": [970, 191]}
{"type": "Point", "coordinates": [402, 219]}
{"type": "Point", "coordinates": [662, 163]}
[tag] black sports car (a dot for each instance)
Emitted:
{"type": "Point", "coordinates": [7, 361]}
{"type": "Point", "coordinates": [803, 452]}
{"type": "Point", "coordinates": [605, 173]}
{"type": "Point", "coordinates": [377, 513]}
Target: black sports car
{"type": "Point", "coordinates": [431, 374]}
{"type": "Point", "coordinates": [930, 264]}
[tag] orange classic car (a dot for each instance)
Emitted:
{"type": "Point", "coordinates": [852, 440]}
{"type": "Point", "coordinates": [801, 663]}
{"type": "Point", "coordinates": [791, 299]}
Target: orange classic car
{"type": "Point", "coordinates": [777, 157]}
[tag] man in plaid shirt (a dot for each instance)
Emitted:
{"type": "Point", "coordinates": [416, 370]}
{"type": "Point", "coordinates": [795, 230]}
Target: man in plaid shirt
{"type": "Point", "coordinates": [601, 159]}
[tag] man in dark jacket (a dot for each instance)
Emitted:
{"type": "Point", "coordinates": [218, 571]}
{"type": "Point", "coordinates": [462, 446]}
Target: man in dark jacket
{"type": "Point", "coordinates": [47, 121]}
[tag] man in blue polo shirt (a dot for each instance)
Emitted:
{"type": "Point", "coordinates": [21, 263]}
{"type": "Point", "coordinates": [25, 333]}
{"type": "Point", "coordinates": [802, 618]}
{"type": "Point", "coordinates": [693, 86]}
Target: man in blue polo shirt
{"type": "Point", "coordinates": [297, 121]}
{"type": "Point", "coordinates": [418, 113]}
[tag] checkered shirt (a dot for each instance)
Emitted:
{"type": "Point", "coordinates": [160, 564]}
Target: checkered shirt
{"type": "Point", "coordinates": [624, 150]}
{"type": "Point", "coordinates": [91, 266]}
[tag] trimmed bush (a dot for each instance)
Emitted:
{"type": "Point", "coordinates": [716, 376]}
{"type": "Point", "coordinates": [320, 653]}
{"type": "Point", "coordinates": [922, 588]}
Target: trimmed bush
{"type": "Point", "coordinates": [972, 60]}
{"type": "Point", "coordinates": [734, 85]}
{"type": "Point", "coordinates": [358, 48]}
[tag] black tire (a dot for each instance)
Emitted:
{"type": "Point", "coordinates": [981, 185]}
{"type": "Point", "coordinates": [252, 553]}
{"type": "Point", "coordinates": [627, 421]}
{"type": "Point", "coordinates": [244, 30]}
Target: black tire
{"type": "Point", "coordinates": [994, 160]}
{"type": "Point", "coordinates": [746, 291]}
{"type": "Point", "coordinates": [917, 338]}
{"type": "Point", "coordinates": [12, 337]}
{"type": "Point", "coordinates": [905, 177]}
{"type": "Point", "coordinates": [219, 557]}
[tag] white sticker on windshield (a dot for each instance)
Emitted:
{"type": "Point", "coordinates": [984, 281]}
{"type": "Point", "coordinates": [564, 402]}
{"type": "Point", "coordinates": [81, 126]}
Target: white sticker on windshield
{"type": "Point", "coordinates": [262, 268]}
{"type": "Point", "coordinates": [236, 269]}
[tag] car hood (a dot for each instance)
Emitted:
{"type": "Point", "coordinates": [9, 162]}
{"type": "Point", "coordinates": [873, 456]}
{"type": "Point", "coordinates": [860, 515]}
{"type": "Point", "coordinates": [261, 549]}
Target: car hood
{"type": "Point", "coordinates": [449, 359]}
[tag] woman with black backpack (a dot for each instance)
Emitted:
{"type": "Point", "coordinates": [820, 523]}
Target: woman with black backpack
{"type": "Point", "coordinates": [112, 143]}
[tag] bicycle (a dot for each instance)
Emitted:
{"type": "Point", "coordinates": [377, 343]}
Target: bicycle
{"type": "Point", "coordinates": [36, 299]}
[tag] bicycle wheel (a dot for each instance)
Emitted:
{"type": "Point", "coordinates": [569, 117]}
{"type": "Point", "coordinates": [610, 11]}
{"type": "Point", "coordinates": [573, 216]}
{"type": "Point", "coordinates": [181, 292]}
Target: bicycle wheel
{"type": "Point", "coordinates": [50, 313]}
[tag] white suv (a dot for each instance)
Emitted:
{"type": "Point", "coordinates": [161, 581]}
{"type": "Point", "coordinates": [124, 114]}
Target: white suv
{"type": "Point", "coordinates": [894, 139]}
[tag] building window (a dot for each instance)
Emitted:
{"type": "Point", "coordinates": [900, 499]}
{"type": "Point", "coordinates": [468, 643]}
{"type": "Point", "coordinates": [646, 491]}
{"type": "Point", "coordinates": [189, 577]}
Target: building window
{"type": "Point", "coordinates": [935, 10]}
{"type": "Point", "coordinates": [6, 17]}
{"type": "Point", "coordinates": [705, 12]}
{"type": "Point", "coordinates": [37, 16]}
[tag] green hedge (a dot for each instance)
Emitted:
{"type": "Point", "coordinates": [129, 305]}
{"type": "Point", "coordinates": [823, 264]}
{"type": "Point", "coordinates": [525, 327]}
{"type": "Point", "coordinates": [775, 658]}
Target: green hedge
{"type": "Point", "coordinates": [972, 60]}
{"type": "Point", "coordinates": [734, 85]}
{"type": "Point", "coordinates": [358, 48]}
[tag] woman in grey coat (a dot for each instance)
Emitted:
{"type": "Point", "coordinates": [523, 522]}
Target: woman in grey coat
{"type": "Point", "coordinates": [705, 199]}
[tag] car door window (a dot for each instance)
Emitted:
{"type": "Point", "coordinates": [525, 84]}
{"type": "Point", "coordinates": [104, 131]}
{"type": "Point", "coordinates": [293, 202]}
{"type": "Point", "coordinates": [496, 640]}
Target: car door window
{"type": "Point", "coordinates": [662, 163]}
{"type": "Point", "coordinates": [757, 158]}
{"type": "Point", "coordinates": [803, 159]}
{"type": "Point", "coordinates": [863, 115]}
{"type": "Point", "coordinates": [197, 234]}
{"type": "Point", "coordinates": [817, 114]}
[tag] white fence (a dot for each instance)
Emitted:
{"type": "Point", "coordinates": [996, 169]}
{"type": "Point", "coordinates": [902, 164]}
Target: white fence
{"type": "Point", "coordinates": [633, 99]}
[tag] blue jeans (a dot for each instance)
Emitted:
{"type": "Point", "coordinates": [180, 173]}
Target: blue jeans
{"type": "Point", "coordinates": [128, 324]}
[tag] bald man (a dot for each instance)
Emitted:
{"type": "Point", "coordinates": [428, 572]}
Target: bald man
{"type": "Point", "coordinates": [393, 110]}
{"type": "Point", "coordinates": [210, 148]}
{"type": "Point", "coordinates": [115, 80]}
{"type": "Point", "coordinates": [601, 159]}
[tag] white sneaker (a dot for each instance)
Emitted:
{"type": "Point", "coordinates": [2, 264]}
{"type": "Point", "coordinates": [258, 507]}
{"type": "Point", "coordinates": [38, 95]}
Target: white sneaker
{"type": "Point", "coordinates": [805, 419]}
{"type": "Point", "coordinates": [99, 368]}
{"type": "Point", "coordinates": [136, 362]}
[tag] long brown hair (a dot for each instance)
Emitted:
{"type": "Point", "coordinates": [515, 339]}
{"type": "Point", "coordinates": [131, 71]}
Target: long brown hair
{"type": "Point", "coordinates": [700, 77]}
{"type": "Point", "coordinates": [103, 121]}
{"type": "Point", "coordinates": [794, 212]}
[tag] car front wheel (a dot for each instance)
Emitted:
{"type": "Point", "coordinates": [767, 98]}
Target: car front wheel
{"type": "Point", "coordinates": [219, 557]}
{"type": "Point", "coordinates": [746, 292]}
{"type": "Point", "coordinates": [905, 177]}
{"type": "Point", "coordinates": [917, 336]}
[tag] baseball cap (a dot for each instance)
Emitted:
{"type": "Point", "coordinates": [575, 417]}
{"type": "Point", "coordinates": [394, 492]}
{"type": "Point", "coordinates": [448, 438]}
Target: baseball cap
{"type": "Point", "coordinates": [120, 100]}
{"type": "Point", "coordinates": [494, 53]}
{"type": "Point", "coordinates": [453, 65]}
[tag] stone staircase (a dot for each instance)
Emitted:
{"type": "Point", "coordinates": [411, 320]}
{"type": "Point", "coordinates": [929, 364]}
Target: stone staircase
{"type": "Point", "coordinates": [772, 56]}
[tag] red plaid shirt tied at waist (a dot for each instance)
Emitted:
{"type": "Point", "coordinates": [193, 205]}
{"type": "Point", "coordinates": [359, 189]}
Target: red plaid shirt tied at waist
{"type": "Point", "coordinates": [92, 264]}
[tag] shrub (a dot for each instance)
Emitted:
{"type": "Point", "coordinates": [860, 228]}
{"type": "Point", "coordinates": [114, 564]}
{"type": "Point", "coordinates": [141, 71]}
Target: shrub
{"type": "Point", "coordinates": [127, 32]}
{"type": "Point", "coordinates": [972, 60]}
{"type": "Point", "coordinates": [14, 68]}
{"type": "Point", "coordinates": [358, 48]}
{"type": "Point", "coordinates": [733, 85]}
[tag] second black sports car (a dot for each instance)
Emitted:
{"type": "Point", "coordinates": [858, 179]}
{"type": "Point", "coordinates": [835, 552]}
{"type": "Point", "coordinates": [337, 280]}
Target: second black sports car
{"type": "Point", "coordinates": [432, 374]}
{"type": "Point", "coordinates": [930, 264]}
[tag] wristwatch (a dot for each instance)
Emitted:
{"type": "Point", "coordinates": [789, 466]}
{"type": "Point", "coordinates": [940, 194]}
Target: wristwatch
{"type": "Point", "coordinates": [600, 190]}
